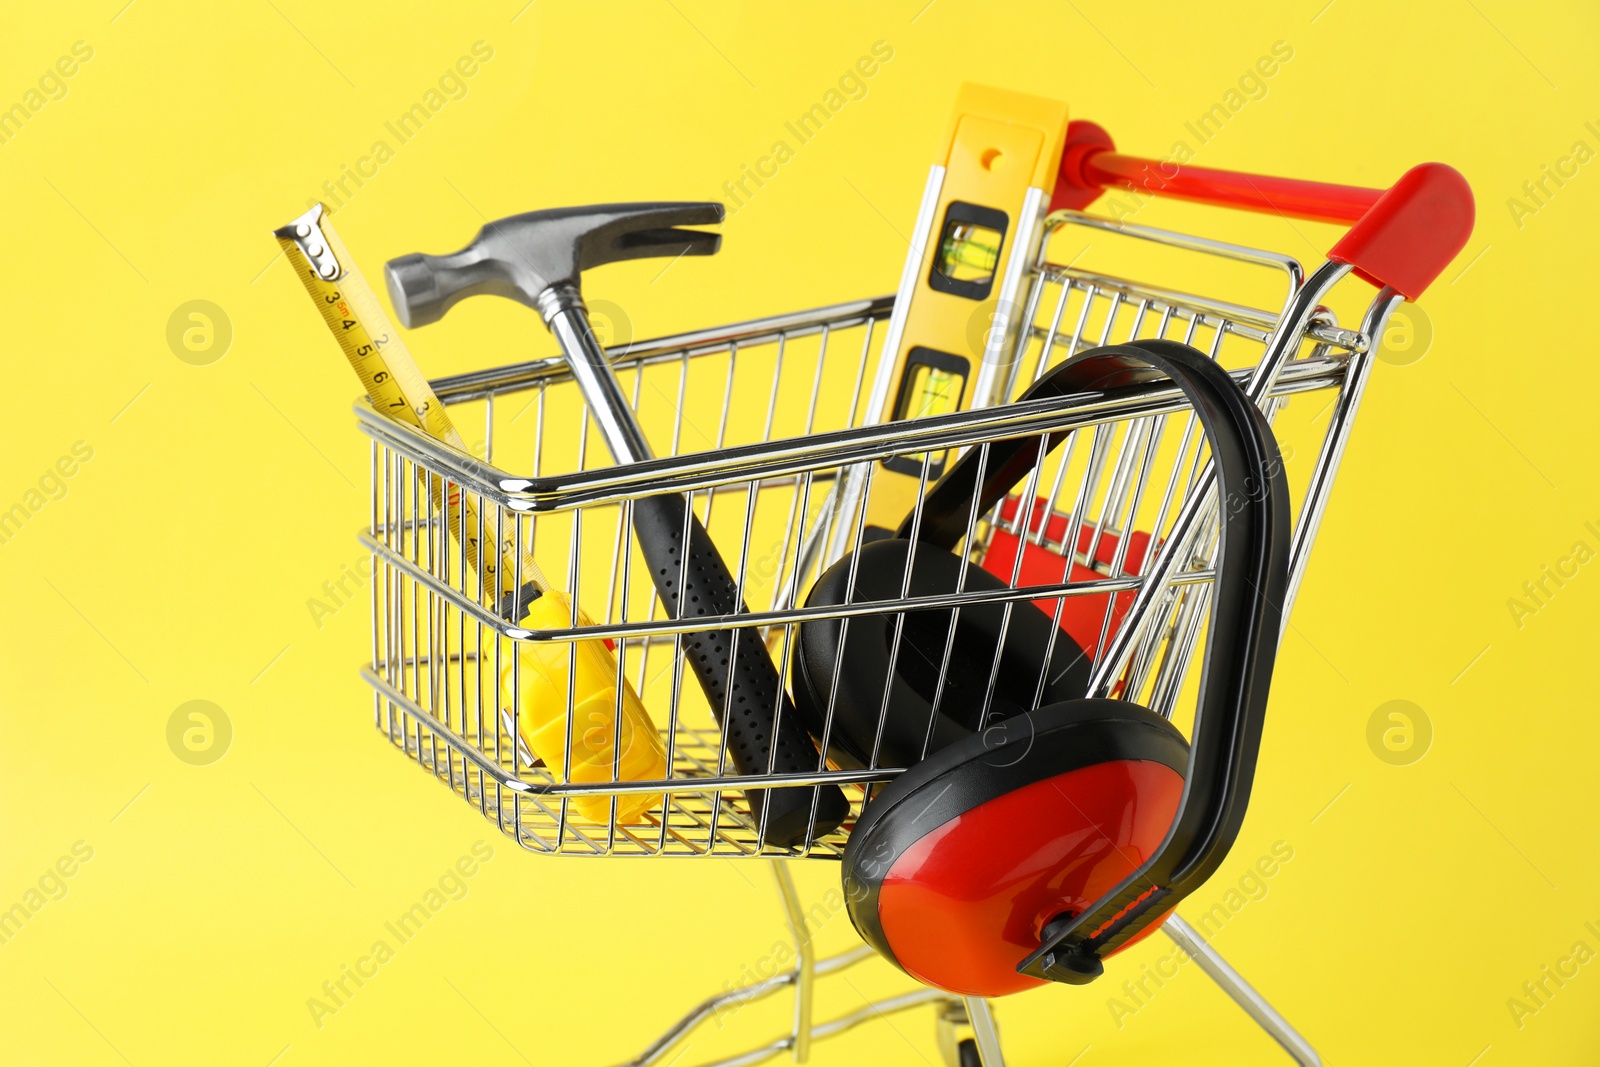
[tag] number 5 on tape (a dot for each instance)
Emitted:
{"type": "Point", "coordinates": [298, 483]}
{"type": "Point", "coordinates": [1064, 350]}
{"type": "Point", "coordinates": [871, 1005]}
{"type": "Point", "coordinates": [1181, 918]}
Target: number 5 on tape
{"type": "Point", "coordinates": [396, 387]}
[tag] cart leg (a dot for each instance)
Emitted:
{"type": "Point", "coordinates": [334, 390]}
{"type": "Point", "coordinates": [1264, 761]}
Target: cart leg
{"type": "Point", "coordinates": [805, 967]}
{"type": "Point", "coordinates": [952, 1017]}
{"type": "Point", "coordinates": [983, 1032]}
{"type": "Point", "coordinates": [1243, 994]}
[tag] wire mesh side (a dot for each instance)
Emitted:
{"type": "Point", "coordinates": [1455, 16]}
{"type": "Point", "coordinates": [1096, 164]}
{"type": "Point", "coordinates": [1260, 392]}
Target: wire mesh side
{"type": "Point", "coordinates": [1096, 509]}
{"type": "Point", "coordinates": [438, 658]}
{"type": "Point", "coordinates": [438, 655]}
{"type": "Point", "coordinates": [1069, 309]}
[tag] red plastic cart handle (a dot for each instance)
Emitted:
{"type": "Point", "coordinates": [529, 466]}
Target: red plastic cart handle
{"type": "Point", "coordinates": [1403, 236]}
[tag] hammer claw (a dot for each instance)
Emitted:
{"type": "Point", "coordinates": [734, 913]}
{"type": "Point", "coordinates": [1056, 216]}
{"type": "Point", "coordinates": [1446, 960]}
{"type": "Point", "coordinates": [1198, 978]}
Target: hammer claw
{"type": "Point", "coordinates": [670, 241]}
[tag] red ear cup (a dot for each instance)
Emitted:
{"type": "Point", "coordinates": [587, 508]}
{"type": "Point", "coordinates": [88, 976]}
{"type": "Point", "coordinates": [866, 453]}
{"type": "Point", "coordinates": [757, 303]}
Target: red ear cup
{"type": "Point", "coordinates": [850, 663]}
{"type": "Point", "coordinates": [957, 866]}
{"type": "Point", "coordinates": [1056, 837]}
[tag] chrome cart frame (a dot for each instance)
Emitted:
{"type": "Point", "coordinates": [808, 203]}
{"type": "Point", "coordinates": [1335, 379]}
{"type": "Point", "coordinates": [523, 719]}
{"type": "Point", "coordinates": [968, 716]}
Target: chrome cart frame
{"type": "Point", "coordinates": [782, 486]}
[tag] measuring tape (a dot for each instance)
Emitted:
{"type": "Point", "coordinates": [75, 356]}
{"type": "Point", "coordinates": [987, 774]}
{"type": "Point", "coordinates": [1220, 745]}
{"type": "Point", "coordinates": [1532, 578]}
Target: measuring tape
{"type": "Point", "coordinates": [397, 388]}
{"type": "Point", "coordinates": [589, 672]}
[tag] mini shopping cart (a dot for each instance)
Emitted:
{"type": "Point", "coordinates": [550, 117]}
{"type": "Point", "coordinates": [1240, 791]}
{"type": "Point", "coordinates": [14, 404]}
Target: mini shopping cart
{"type": "Point", "coordinates": [764, 426]}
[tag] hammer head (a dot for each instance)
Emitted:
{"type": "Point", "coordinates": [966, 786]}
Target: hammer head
{"type": "Point", "coordinates": [524, 255]}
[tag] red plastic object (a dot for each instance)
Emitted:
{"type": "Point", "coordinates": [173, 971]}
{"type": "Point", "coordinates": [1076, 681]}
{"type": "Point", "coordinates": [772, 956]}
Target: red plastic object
{"type": "Point", "coordinates": [1077, 192]}
{"type": "Point", "coordinates": [963, 926]}
{"type": "Point", "coordinates": [1081, 616]}
{"type": "Point", "coordinates": [1413, 232]}
{"type": "Point", "coordinates": [1402, 237]}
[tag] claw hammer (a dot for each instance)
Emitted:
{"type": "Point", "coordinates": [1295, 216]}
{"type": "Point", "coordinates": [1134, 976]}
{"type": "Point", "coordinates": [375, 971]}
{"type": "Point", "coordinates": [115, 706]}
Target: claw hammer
{"type": "Point", "coordinates": [537, 259]}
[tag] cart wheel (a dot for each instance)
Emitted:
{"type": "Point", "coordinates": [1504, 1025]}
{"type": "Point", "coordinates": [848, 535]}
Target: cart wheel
{"type": "Point", "coordinates": [968, 1053]}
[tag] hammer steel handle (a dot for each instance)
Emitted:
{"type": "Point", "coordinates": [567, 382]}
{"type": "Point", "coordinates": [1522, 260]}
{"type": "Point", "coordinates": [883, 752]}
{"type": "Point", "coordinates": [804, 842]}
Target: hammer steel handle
{"type": "Point", "coordinates": [763, 730]}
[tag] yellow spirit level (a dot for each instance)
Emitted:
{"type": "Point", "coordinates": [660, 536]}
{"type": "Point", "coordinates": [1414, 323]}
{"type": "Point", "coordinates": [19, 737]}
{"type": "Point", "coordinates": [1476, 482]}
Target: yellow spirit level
{"type": "Point", "coordinates": [946, 347]}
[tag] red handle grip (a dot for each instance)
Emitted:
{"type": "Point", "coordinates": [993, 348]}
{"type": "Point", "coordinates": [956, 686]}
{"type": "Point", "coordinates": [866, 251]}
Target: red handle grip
{"type": "Point", "coordinates": [1402, 237]}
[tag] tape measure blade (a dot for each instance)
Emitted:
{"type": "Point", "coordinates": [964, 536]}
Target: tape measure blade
{"type": "Point", "coordinates": [397, 387]}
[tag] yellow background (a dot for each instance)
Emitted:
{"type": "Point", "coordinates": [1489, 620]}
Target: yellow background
{"type": "Point", "coordinates": [219, 498]}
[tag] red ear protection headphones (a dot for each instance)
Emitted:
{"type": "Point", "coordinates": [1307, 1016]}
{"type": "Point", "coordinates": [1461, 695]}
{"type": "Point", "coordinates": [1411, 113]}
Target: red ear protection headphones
{"type": "Point", "coordinates": [1027, 848]}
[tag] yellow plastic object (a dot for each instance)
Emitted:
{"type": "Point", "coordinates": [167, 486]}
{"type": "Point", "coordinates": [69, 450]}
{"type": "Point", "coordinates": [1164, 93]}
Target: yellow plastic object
{"type": "Point", "coordinates": [543, 678]}
{"type": "Point", "coordinates": [998, 145]}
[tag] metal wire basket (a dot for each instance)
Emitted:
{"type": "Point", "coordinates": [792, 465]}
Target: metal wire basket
{"type": "Point", "coordinates": [783, 484]}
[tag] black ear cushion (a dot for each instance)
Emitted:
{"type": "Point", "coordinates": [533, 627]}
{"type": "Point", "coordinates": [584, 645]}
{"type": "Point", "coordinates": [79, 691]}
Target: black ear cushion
{"type": "Point", "coordinates": [1006, 756]}
{"type": "Point", "coordinates": [863, 667]}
